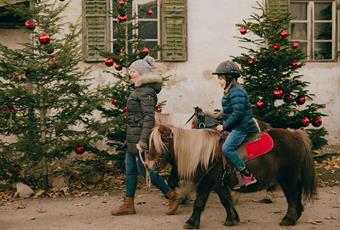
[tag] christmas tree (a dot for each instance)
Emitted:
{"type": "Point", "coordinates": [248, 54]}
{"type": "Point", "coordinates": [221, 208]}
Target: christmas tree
{"type": "Point", "coordinates": [128, 46]}
{"type": "Point", "coordinates": [46, 102]}
{"type": "Point", "coordinates": [271, 72]}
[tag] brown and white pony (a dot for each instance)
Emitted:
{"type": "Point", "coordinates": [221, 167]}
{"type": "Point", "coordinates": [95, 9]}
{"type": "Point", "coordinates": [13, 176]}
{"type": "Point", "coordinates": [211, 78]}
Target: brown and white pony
{"type": "Point", "coordinates": [197, 155]}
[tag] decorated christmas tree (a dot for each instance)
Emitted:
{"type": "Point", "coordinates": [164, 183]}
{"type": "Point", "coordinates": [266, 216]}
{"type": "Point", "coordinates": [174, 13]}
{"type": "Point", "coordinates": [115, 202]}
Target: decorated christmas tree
{"type": "Point", "coordinates": [128, 46]}
{"type": "Point", "coordinates": [46, 102]}
{"type": "Point", "coordinates": [271, 66]}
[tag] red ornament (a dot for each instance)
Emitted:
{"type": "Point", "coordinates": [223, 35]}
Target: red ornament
{"type": "Point", "coordinates": [108, 62]}
{"type": "Point", "coordinates": [251, 62]}
{"type": "Point", "coordinates": [288, 98]}
{"type": "Point", "coordinates": [158, 109]}
{"type": "Point", "coordinates": [125, 110]}
{"type": "Point", "coordinates": [317, 122]}
{"type": "Point", "coordinates": [114, 101]}
{"type": "Point", "coordinates": [243, 30]}
{"type": "Point", "coordinates": [30, 25]}
{"type": "Point", "coordinates": [284, 34]}
{"type": "Point", "coordinates": [118, 67]}
{"type": "Point", "coordinates": [121, 2]}
{"type": "Point", "coordinates": [11, 109]}
{"type": "Point", "coordinates": [44, 38]}
{"type": "Point", "coordinates": [259, 104]}
{"type": "Point", "coordinates": [305, 122]}
{"type": "Point", "coordinates": [276, 46]}
{"type": "Point", "coordinates": [144, 51]}
{"type": "Point", "coordinates": [278, 93]}
{"type": "Point", "coordinates": [79, 149]}
{"type": "Point", "coordinates": [294, 45]}
{"type": "Point", "coordinates": [301, 100]}
{"type": "Point", "coordinates": [122, 18]}
{"type": "Point", "coordinates": [149, 12]}
{"type": "Point", "coordinates": [295, 64]}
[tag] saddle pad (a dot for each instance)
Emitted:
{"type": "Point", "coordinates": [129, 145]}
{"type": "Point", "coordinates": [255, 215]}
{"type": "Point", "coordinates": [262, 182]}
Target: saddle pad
{"type": "Point", "coordinates": [259, 147]}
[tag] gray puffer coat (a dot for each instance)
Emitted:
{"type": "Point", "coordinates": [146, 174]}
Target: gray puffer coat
{"type": "Point", "coordinates": [141, 111]}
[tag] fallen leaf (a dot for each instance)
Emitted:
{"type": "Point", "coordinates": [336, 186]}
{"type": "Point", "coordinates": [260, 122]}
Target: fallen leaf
{"type": "Point", "coordinates": [39, 210]}
{"type": "Point", "coordinates": [39, 193]}
{"type": "Point", "coordinates": [21, 206]}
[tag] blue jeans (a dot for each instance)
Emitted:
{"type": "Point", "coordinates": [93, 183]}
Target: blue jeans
{"type": "Point", "coordinates": [232, 142]}
{"type": "Point", "coordinates": [133, 167]}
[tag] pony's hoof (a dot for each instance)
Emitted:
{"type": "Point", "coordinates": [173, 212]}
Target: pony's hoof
{"type": "Point", "coordinates": [287, 222]}
{"type": "Point", "coordinates": [189, 226]}
{"type": "Point", "coordinates": [230, 222]}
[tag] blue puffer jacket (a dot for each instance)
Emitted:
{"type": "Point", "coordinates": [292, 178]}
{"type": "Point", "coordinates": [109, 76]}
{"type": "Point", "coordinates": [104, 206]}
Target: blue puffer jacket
{"type": "Point", "coordinates": [237, 111]}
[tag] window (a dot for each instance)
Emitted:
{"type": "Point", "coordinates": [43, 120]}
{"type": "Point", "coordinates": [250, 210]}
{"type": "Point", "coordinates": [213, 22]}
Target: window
{"type": "Point", "coordinates": [148, 24]}
{"type": "Point", "coordinates": [166, 28]}
{"type": "Point", "coordinates": [314, 28]}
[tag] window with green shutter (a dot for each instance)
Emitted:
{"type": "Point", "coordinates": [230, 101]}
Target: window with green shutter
{"type": "Point", "coordinates": [95, 29]}
{"type": "Point", "coordinates": [166, 28]}
{"type": "Point", "coordinates": [174, 30]}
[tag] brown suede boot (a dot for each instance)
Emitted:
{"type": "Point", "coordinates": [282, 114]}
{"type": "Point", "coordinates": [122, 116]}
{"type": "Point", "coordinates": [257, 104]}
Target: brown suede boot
{"type": "Point", "coordinates": [127, 208]}
{"type": "Point", "coordinates": [174, 201]}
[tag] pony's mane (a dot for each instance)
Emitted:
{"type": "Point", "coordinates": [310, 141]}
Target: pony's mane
{"type": "Point", "coordinates": [192, 148]}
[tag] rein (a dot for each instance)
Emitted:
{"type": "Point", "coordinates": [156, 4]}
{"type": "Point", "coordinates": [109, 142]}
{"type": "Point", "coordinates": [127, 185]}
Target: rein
{"type": "Point", "coordinates": [147, 171]}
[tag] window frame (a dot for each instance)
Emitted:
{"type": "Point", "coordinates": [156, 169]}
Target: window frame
{"type": "Point", "coordinates": [311, 29]}
{"type": "Point", "coordinates": [135, 21]}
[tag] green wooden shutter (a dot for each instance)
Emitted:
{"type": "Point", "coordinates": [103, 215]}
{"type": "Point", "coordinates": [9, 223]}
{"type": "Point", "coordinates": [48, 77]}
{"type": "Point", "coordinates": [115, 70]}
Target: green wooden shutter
{"type": "Point", "coordinates": [95, 29]}
{"type": "Point", "coordinates": [174, 30]}
{"type": "Point", "coordinates": [281, 6]}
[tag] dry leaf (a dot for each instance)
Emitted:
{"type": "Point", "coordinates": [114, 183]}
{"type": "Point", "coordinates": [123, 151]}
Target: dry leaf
{"type": "Point", "coordinates": [39, 210]}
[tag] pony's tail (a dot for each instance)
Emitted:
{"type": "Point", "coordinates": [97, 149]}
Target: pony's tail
{"type": "Point", "coordinates": [308, 171]}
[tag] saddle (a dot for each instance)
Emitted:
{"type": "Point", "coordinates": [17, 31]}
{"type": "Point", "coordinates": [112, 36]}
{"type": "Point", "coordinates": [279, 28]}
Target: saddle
{"type": "Point", "coordinates": [254, 146]}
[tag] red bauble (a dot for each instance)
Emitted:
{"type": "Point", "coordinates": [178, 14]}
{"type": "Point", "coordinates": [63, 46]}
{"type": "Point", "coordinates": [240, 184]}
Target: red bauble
{"type": "Point", "coordinates": [276, 46]}
{"type": "Point", "coordinates": [114, 101]}
{"type": "Point", "coordinates": [317, 122]}
{"type": "Point", "coordinates": [122, 18]}
{"type": "Point", "coordinates": [284, 34]}
{"type": "Point", "coordinates": [121, 2]}
{"type": "Point", "coordinates": [305, 122]}
{"type": "Point", "coordinates": [79, 149]}
{"type": "Point", "coordinates": [11, 109]}
{"type": "Point", "coordinates": [294, 45]}
{"type": "Point", "coordinates": [118, 67]}
{"type": "Point", "coordinates": [295, 64]}
{"type": "Point", "coordinates": [149, 12]}
{"type": "Point", "coordinates": [301, 100]}
{"type": "Point", "coordinates": [251, 62]}
{"type": "Point", "coordinates": [288, 98]}
{"type": "Point", "coordinates": [30, 25]}
{"type": "Point", "coordinates": [243, 30]}
{"type": "Point", "coordinates": [144, 51]}
{"type": "Point", "coordinates": [44, 38]}
{"type": "Point", "coordinates": [158, 109]}
{"type": "Point", "coordinates": [259, 104]}
{"type": "Point", "coordinates": [125, 110]}
{"type": "Point", "coordinates": [108, 62]}
{"type": "Point", "coordinates": [278, 93]}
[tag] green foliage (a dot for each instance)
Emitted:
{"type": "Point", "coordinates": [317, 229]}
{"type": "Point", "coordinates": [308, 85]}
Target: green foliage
{"type": "Point", "coordinates": [271, 62]}
{"type": "Point", "coordinates": [46, 100]}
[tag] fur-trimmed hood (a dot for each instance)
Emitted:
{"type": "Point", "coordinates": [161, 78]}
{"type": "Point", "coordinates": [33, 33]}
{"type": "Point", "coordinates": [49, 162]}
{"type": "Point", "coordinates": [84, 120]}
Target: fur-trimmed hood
{"type": "Point", "coordinates": [154, 82]}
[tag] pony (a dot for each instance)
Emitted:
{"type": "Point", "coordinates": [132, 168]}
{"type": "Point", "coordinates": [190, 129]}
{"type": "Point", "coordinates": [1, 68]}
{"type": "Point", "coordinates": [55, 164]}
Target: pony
{"type": "Point", "coordinates": [198, 157]}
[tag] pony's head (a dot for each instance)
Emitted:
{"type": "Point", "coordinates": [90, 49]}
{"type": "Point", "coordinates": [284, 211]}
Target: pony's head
{"type": "Point", "coordinates": [160, 145]}
{"type": "Point", "coordinates": [188, 149]}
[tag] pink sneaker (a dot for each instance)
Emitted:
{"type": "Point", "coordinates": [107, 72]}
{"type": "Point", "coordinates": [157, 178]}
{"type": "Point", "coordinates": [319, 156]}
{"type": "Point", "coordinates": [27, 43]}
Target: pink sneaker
{"type": "Point", "coordinates": [245, 181]}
